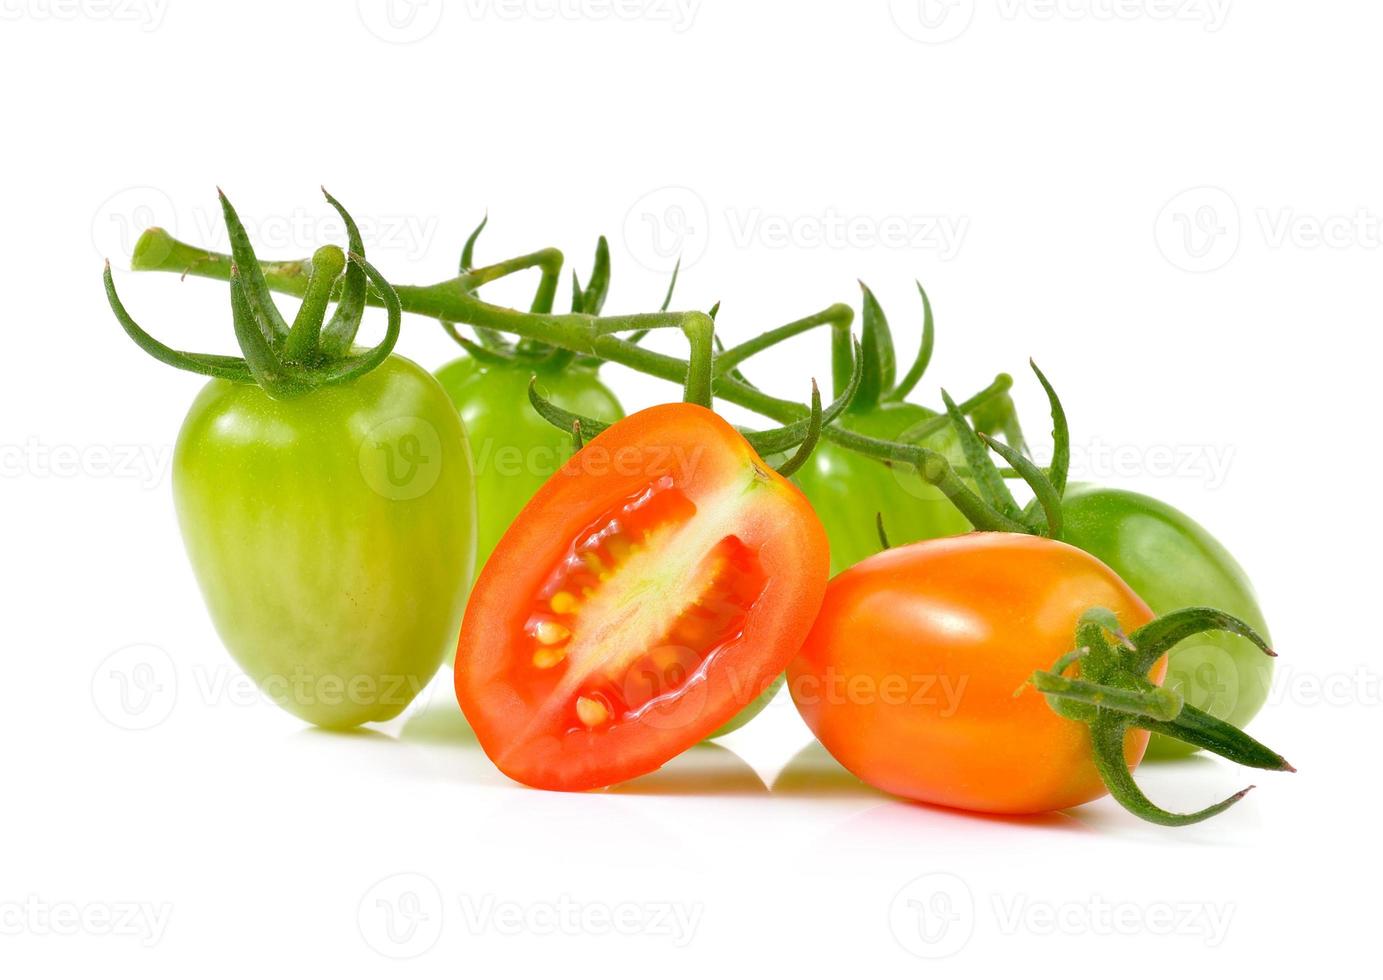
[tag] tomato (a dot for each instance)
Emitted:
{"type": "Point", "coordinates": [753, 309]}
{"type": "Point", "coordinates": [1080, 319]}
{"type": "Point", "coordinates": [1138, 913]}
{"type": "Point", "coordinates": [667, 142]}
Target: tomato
{"type": "Point", "coordinates": [909, 675]}
{"type": "Point", "coordinates": [654, 587]}
{"type": "Point", "coordinates": [1173, 562]}
{"type": "Point", "coordinates": [515, 450]}
{"type": "Point", "coordinates": [324, 491]}
{"type": "Point", "coordinates": [332, 536]}
{"type": "Point", "coordinates": [849, 490]}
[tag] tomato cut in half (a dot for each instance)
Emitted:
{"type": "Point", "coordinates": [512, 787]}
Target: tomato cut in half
{"type": "Point", "coordinates": [653, 587]}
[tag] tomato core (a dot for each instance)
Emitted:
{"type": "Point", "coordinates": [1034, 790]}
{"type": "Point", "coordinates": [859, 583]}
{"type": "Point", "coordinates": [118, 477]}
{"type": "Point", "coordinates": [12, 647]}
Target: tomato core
{"type": "Point", "coordinates": [607, 639]}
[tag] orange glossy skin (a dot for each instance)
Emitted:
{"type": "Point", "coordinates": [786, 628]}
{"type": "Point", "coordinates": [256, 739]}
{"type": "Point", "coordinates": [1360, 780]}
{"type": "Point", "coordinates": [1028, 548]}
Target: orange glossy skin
{"type": "Point", "coordinates": [909, 675]}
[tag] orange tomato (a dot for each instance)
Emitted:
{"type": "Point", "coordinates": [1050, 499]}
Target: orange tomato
{"type": "Point", "coordinates": [910, 676]}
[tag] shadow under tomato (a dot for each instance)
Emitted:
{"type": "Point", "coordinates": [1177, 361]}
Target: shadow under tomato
{"type": "Point", "coordinates": [440, 723]}
{"type": "Point", "coordinates": [360, 734]}
{"type": "Point", "coordinates": [814, 774]}
{"type": "Point", "coordinates": [1200, 761]}
{"type": "Point", "coordinates": [702, 770]}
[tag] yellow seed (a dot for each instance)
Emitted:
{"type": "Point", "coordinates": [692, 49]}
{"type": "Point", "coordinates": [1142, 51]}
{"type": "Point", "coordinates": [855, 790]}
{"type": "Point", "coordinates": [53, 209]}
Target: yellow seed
{"type": "Point", "coordinates": [591, 712]}
{"type": "Point", "coordinates": [620, 549]}
{"type": "Point", "coordinates": [549, 632]}
{"type": "Point", "coordinates": [594, 563]}
{"type": "Point", "coordinates": [563, 603]}
{"type": "Point", "coordinates": [549, 657]}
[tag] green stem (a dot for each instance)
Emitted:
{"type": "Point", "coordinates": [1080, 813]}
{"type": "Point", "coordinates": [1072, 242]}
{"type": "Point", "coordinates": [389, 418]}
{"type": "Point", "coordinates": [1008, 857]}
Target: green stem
{"type": "Point", "coordinates": [838, 316]}
{"type": "Point", "coordinates": [699, 330]}
{"type": "Point", "coordinates": [452, 301]}
{"type": "Point", "coordinates": [303, 337]}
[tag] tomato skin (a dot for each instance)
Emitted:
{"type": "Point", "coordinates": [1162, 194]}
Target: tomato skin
{"type": "Point", "coordinates": [714, 468]}
{"type": "Point", "coordinates": [848, 490]}
{"type": "Point", "coordinates": [909, 675]}
{"type": "Point", "coordinates": [515, 450]}
{"type": "Point", "coordinates": [1173, 562]}
{"type": "Point", "coordinates": [332, 536]}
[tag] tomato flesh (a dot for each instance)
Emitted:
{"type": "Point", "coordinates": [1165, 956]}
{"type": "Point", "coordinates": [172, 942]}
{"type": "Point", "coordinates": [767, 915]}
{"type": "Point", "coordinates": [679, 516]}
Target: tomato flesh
{"type": "Point", "coordinates": [627, 615]}
{"type": "Point", "coordinates": [602, 657]}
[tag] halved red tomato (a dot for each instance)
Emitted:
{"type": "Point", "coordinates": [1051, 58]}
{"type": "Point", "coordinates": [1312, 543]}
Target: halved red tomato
{"type": "Point", "coordinates": [653, 587]}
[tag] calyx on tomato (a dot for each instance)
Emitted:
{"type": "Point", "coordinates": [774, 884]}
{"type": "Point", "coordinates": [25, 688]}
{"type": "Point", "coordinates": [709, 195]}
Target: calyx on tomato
{"type": "Point", "coordinates": [1112, 692]}
{"type": "Point", "coordinates": [286, 360]}
{"type": "Point", "coordinates": [849, 489]}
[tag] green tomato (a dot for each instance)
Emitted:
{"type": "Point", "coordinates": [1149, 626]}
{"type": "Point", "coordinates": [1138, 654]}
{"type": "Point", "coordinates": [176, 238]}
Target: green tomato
{"type": "Point", "coordinates": [1173, 562]}
{"type": "Point", "coordinates": [750, 711]}
{"type": "Point", "coordinates": [848, 490]}
{"type": "Point", "coordinates": [515, 449]}
{"type": "Point", "coordinates": [332, 535]}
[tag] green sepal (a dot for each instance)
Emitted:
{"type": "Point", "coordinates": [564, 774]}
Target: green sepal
{"type": "Point", "coordinates": [1113, 694]}
{"type": "Point", "coordinates": [879, 529]}
{"type": "Point", "coordinates": [593, 297]}
{"type": "Point", "coordinates": [1033, 476]}
{"type": "Point", "coordinates": [210, 365]}
{"type": "Point", "coordinates": [986, 475]}
{"type": "Point", "coordinates": [808, 444]}
{"type": "Point", "coordinates": [468, 250]}
{"type": "Point", "coordinates": [358, 365]}
{"type": "Point", "coordinates": [1061, 434]}
{"type": "Point", "coordinates": [270, 373]}
{"type": "Point", "coordinates": [482, 351]}
{"type": "Point", "coordinates": [560, 417]}
{"type": "Point", "coordinates": [769, 442]}
{"type": "Point", "coordinates": [1107, 743]}
{"type": "Point", "coordinates": [1205, 731]}
{"type": "Point", "coordinates": [257, 297]}
{"type": "Point", "coordinates": [340, 331]}
{"type": "Point", "coordinates": [879, 361]}
{"type": "Point", "coordinates": [924, 353]}
{"type": "Point", "coordinates": [1165, 632]}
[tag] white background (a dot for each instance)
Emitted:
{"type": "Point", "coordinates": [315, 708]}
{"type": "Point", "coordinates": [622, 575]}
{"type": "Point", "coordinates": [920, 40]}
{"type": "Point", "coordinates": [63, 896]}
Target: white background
{"type": "Point", "coordinates": [1172, 204]}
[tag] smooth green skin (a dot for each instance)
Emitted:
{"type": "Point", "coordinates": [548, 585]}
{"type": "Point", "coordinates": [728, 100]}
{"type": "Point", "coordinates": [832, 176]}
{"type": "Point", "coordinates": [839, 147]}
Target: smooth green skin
{"type": "Point", "coordinates": [751, 710]}
{"type": "Point", "coordinates": [1172, 562]}
{"type": "Point", "coordinates": [514, 448]}
{"type": "Point", "coordinates": [848, 490]}
{"type": "Point", "coordinates": [332, 535]}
